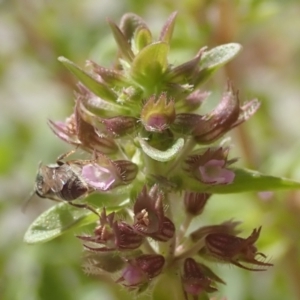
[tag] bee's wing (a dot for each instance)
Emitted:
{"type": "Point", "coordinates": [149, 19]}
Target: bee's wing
{"type": "Point", "coordinates": [59, 178]}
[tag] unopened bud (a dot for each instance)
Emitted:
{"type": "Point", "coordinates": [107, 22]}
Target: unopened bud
{"type": "Point", "coordinates": [232, 249]}
{"type": "Point", "coordinates": [142, 269]}
{"type": "Point", "coordinates": [158, 114]}
{"type": "Point", "coordinates": [194, 202]}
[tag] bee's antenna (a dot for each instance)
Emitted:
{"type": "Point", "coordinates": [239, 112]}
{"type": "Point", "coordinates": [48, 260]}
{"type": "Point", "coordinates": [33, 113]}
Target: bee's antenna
{"type": "Point", "coordinates": [27, 200]}
{"type": "Point", "coordinates": [30, 196]}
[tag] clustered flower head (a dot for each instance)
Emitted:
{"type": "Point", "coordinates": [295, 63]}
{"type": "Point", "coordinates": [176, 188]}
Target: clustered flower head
{"type": "Point", "coordinates": [142, 121]}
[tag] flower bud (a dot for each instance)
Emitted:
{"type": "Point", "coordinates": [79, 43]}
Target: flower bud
{"type": "Point", "coordinates": [166, 231]}
{"type": "Point", "coordinates": [113, 235]}
{"type": "Point", "coordinates": [194, 281]}
{"type": "Point", "coordinates": [148, 211]}
{"type": "Point", "coordinates": [195, 100]}
{"type": "Point", "coordinates": [149, 218]}
{"type": "Point", "coordinates": [141, 270]}
{"type": "Point", "coordinates": [77, 131]}
{"type": "Point", "coordinates": [66, 131]}
{"type": "Point", "coordinates": [232, 249]}
{"type": "Point", "coordinates": [194, 202]}
{"type": "Point", "coordinates": [212, 126]}
{"type": "Point", "coordinates": [119, 126]}
{"type": "Point", "coordinates": [228, 227]}
{"type": "Point", "coordinates": [157, 115]}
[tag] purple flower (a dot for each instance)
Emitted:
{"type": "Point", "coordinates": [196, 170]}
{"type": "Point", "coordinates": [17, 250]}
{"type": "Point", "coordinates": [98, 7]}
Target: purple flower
{"type": "Point", "coordinates": [210, 167]}
{"type": "Point", "coordinates": [104, 174]}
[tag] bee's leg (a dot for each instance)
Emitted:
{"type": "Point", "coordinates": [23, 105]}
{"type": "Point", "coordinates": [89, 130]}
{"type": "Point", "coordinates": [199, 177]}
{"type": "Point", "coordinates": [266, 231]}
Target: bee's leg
{"type": "Point", "coordinates": [63, 156]}
{"type": "Point", "coordinates": [85, 206]}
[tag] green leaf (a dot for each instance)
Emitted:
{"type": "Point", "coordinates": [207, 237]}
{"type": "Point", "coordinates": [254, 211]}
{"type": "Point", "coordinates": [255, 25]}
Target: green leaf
{"type": "Point", "coordinates": [168, 28]}
{"type": "Point", "coordinates": [56, 221]}
{"type": "Point", "coordinates": [220, 55]}
{"type": "Point", "coordinates": [97, 87]}
{"type": "Point", "coordinates": [149, 64]}
{"type": "Point", "coordinates": [184, 71]}
{"type": "Point", "coordinates": [159, 155]}
{"type": "Point", "coordinates": [121, 40]}
{"type": "Point", "coordinates": [245, 181]}
{"type": "Point", "coordinates": [63, 217]}
{"type": "Point", "coordinates": [215, 58]}
{"type": "Point", "coordinates": [113, 78]}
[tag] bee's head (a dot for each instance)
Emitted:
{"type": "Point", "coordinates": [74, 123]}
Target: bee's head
{"type": "Point", "coordinates": [42, 184]}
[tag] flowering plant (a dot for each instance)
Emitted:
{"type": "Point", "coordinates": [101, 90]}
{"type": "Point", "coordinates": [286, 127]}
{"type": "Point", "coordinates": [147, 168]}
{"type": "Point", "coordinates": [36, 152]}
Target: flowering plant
{"type": "Point", "coordinates": [151, 153]}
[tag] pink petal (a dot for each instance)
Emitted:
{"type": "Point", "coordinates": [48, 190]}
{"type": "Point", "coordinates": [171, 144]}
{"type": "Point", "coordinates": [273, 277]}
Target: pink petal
{"type": "Point", "coordinates": [214, 172]}
{"type": "Point", "coordinates": [98, 177]}
{"type": "Point", "coordinates": [133, 275]}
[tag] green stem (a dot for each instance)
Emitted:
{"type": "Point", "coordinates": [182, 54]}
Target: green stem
{"type": "Point", "coordinates": [183, 228]}
{"type": "Point", "coordinates": [169, 286]}
{"type": "Point", "coordinates": [168, 248]}
{"type": "Point", "coordinates": [194, 249]}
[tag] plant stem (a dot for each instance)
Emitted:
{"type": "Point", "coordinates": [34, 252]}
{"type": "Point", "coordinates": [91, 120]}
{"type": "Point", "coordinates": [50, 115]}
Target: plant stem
{"type": "Point", "coordinates": [183, 228]}
{"type": "Point", "coordinates": [169, 286]}
{"type": "Point", "coordinates": [192, 250]}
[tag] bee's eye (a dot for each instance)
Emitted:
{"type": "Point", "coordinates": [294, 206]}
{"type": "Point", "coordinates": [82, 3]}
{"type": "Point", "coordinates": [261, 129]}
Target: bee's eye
{"type": "Point", "coordinates": [39, 185]}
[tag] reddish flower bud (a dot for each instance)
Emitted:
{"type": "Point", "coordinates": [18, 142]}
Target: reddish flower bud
{"type": "Point", "coordinates": [185, 71]}
{"type": "Point", "coordinates": [211, 166]}
{"type": "Point", "coordinates": [232, 249]}
{"type": "Point", "coordinates": [114, 235]}
{"type": "Point", "coordinates": [194, 202]}
{"type": "Point", "coordinates": [157, 115]}
{"type": "Point", "coordinates": [228, 227]}
{"type": "Point", "coordinates": [195, 99]}
{"type": "Point", "coordinates": [66, 131]}
{"type": "Point", "coordinates": [77, 131]}
{"type": "Point", "coordinates": [210, 127]}
{"type": "Point", "coordinates": [141, 270]}
{"type": "Point", "coordinates": [194, 281]}
{"type": "Point", "coordinates": [119, 126]}
{"type": "Point", "coordinates": [166, 231]}
{"type": "Point", "coordinates": [149, 218]}
{"type": "Point", "coordinates": [148, 211]}
{"type": "Point", "coordinates": [111, 77]}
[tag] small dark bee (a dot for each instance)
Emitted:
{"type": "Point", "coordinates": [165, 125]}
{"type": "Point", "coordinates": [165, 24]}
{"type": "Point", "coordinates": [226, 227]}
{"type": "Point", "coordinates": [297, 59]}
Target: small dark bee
{"type": "Point", "coordinates": [62, 181]}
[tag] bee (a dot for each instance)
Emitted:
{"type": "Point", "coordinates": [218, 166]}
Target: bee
{"type": "Point", "coordinates": [62, 181]}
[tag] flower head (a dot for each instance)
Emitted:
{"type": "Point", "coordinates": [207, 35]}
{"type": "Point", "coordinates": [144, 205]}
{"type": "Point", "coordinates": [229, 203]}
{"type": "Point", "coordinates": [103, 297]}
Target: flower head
{"type": "Point", "coordinates": [154, 162]}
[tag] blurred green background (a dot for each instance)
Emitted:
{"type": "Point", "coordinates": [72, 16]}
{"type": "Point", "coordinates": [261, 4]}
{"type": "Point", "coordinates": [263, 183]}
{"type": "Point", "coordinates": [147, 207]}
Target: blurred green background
{"type": "Point", "coordinates": [35, 87]}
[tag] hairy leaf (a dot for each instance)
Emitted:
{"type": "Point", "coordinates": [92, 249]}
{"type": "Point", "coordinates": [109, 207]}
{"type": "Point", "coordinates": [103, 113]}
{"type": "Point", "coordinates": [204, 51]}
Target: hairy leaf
{"type": "Point", "coordinates": [214, 59]}
{"type": "Point", "coordinates": [95, 86]}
